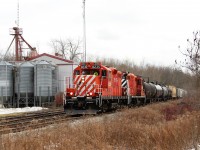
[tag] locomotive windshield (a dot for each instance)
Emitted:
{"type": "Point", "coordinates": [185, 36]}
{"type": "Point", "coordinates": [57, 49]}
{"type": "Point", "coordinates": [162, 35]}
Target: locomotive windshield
{"type": "Point", "coordinates": [90, 72]}
{"type": "Point", "coordinates": [76, 72]}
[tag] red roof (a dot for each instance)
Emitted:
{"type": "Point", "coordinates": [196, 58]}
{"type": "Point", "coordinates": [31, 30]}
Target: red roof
{"type": "Point", "coordinates": [52, 56]}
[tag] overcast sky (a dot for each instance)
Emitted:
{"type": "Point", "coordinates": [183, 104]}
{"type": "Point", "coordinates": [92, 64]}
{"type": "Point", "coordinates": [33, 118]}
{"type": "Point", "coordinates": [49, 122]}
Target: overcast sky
{"type": "Point", "coordinates": [139, 30]}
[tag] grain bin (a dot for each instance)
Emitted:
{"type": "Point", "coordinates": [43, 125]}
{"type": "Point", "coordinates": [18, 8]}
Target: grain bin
{"type": "Point", "coordinates": [42, 83]}
{"type": "Point", "coordinates": [54, 80]}
{"type": "Point", "coordinates": [24, 84]}
{"type": "Point", "coordinates": [6, 84]}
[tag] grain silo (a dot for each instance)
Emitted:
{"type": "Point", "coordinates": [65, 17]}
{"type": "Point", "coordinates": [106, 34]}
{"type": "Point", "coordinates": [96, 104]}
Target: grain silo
{"type": "Point", "coordinates": [6, 84]}
{"type": "Point", "coordinates": [24, 84]}
{"type": "Point", "coordinates": [54, 80]}
{"type": "Point", "coordinates": [42, 83]}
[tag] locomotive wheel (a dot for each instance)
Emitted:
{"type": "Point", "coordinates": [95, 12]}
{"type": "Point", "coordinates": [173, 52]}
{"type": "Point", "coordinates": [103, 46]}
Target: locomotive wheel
{"type": "Point", "coordinates": [105, 108]}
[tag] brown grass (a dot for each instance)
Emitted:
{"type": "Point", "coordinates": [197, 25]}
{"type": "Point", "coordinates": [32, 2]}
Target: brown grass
{"type": "Point", "coordinates": [143, 128]}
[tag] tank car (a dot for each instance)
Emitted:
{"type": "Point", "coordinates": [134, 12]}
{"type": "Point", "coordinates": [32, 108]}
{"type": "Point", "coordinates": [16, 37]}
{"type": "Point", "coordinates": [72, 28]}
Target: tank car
{"type": "Point", "coordinates": [165, 92]}
{"type": "Point", "coordinates": [169, 96]}
{"type": "Point", "coordinates": [159, 92]}
{"type": "Point", "coordinates": [150, 91]}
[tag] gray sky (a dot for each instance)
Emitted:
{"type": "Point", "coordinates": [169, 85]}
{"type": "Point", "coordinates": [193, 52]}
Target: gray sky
{"type": "Point", "coordinates": [139, 30]}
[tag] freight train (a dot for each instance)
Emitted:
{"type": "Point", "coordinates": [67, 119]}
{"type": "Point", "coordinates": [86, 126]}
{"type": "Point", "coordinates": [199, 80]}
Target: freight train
{"type": "Point", "coordinates": [99, 88]}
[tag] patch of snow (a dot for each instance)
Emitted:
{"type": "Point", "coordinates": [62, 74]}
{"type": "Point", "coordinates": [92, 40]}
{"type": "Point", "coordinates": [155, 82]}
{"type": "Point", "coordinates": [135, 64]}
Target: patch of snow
{"type": "Point", "coordinates": [19, 110]}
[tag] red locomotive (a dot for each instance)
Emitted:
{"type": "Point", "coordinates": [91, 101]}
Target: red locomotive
{"type": "Point", "coordinates": [99, 88]}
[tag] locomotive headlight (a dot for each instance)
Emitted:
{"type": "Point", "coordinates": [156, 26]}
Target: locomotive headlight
{"type": "Point", "coordinates": [71, 93]}
{"type": "Point", "coordinates": [83, 79]}
{"type": "Point", "coordinates": [90, 93]}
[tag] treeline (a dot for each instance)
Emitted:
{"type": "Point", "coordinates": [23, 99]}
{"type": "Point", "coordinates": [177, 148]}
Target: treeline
{"type": "Point", "coordinates": [160, 74]}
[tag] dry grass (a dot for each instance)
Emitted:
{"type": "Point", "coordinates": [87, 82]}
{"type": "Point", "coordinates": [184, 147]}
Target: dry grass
{"type": "Point", "coordinates": [143, 128]}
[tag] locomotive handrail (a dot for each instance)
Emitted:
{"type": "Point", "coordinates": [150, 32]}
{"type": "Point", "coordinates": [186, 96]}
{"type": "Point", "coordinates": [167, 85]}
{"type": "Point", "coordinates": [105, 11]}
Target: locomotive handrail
{"type": "Point", "coordinates": [98, 88]}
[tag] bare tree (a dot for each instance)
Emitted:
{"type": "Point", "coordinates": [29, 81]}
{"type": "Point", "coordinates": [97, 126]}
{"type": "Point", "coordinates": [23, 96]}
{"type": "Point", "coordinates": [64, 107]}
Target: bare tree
{"type": "Point", "coordinates": [68, 48]}
{"type": "Point", "coordinates": [192, 57]}
{"type": "Point", "coordinates": [7, 57]}
{"type": "Point", "coordinates": [73, 48]}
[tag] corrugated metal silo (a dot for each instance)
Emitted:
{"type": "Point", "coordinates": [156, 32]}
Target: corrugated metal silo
{"type": "Point", "coordinates": [24, 84]}
{"type": "Point", "coordinates": [54, 80]}
{"type": "Point", "coordinates": [6, 84]}
{"type": "Point", "coordinates": [42, 82]}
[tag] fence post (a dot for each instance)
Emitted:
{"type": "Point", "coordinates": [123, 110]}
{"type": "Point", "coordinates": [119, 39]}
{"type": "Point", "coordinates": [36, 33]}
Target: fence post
{"type": "Point", "coordinates": [40, 101]}
{"type": "Point", "coordinates": [48, 95]}
{"type": "Point", "coordinates": [18, 96]}
{"type": "Point", "coordinates": [2, 96]}
{"type": "Point", "coordinates": [1, 141]}
{"type": "Point", "coordinates": [26, 96]}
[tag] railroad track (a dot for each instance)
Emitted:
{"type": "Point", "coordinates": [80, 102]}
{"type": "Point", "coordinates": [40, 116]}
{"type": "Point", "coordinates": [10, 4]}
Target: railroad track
{"type": "Point", "coordinates": [34, 120]}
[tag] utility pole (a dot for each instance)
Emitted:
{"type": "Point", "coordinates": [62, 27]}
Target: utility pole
{"type": "Point", "coordinates": [17, 22]}
{"type": "Point", "coordinates": [84, 33]}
